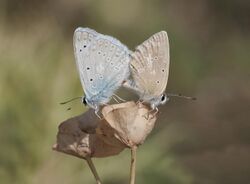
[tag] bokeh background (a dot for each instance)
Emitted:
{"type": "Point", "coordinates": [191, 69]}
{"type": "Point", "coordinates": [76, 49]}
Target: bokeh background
{"type": "Point", "coordinates": [201, 142]}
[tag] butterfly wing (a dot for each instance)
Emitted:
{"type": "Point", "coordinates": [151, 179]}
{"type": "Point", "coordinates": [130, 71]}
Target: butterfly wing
{"type": "Point", "coordinates": [102, 63]}
{"type": "Point", "coordinates": [150, 66]}
{"type": "Point", "coordinates": [84, 38]}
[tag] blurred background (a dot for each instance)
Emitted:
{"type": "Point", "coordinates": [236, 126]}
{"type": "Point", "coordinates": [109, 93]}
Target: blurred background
{"type": "Point", "coordinates": [201, 142]}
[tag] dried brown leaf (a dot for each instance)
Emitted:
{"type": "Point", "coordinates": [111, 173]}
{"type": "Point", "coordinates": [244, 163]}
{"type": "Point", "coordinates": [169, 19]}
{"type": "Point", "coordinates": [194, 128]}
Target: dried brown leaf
{"type": "Point", "coordinates": [132, 122]}
{"type": "Point", "coordinates": [73, 139]}
{"type": "Point", "coordinates": [124, 125]}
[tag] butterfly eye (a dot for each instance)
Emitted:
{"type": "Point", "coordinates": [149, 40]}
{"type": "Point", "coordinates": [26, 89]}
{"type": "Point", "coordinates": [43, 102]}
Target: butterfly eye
{"type": "Point", "coordinates": [84, 101]}
{"type": "Point", "coordinates": [158, 82]}
{"type": "Point", "coordinates": [85, 46]}
{"type": "Point", "coordinates": [163, 70]}
{"type": "Point", "coordinates": [88, 68]}
{"type": "Point", "coordinates": [163, 97]}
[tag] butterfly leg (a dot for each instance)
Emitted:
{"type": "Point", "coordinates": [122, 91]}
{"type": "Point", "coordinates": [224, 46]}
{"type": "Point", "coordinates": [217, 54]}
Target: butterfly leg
{"type": "Point", "coordinates": [115, 99]}
{"type": "Point", "coordinates": [121, 99]}
{"type": "Point", "coordinates": [96, 112]}
{"type": "Point", "coordinates": [146, 116]}
{"type": "Point", "coordinates": [154, 107]}
{"type": "Point", "coordinates": [140, 103]}
{"type": "Point", "coordinates": [156, 111]}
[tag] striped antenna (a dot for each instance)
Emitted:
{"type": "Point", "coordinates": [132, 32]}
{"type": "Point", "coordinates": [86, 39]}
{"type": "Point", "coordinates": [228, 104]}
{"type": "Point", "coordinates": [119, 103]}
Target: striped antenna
{"type": "Point", "coordinates": [181, 96]}
{"type": "Point", "coordinates": [62, 103]}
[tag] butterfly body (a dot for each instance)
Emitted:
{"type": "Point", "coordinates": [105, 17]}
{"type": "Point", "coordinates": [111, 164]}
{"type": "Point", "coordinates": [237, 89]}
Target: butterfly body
{"type": "Point", "coordinates": [103, 64]}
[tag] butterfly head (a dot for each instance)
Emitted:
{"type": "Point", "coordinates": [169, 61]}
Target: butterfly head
{"type": "Point", "coordinates": [160, 100]}
{"type": "Point", "coordinates": [90, 102]}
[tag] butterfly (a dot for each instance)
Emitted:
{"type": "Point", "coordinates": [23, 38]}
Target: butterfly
{"type": "Point", "coordinates": [103, 64]}
{"type": "Point", "coordinates": [149, 67]}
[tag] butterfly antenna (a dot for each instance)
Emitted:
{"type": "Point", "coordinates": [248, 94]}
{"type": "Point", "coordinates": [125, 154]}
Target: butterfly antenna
{"type": "Point", "coordinates": [62, 103]}
{"type": "Point", "coordinates": [181, 96]}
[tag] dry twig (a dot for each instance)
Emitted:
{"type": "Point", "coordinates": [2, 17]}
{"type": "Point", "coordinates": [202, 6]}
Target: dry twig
{"type": "Point", "coordinates": [133, 165]}
{"type": "Point", "coordinates": [93, 169]}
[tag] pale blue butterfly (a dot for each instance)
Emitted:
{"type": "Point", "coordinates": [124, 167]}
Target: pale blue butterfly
{"type": "Point", "coordinates": [103, 64]}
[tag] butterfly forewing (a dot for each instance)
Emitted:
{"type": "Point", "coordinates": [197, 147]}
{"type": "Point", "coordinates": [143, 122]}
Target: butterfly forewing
{"type": "Point", "coordinates": [102, 62]}
{"type": "Point", "coordinates": [84, 39]}
{"type": "Point", "coordinates": [150, 65]}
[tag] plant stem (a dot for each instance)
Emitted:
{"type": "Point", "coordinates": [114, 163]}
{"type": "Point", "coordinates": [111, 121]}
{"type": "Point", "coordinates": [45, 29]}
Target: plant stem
{"type": "Point", "coordinates": [93, 170]}
{"type": "Point", "coordinates": [132, 165]}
